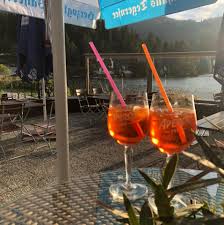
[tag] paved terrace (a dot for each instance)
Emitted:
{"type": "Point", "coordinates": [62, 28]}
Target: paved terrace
{"type": "Point", "coordinates": [91, 150]}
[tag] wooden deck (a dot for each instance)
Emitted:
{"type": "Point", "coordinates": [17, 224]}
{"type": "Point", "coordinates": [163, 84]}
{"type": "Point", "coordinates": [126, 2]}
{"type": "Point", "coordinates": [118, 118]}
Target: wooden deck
{"type": "Point", "coordinates": [214, 122]}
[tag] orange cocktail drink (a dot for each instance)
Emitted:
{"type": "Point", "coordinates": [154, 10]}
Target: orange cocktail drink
{"type": "Point", "coordinates": [128, 125]}
{"type": "Point", "coordinates": [124, 123]}
{"type": "Point", "coordinates": [164, 131]}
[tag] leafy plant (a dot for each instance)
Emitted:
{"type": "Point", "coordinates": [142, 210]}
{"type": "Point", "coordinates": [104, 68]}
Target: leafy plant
{"type": "Point", "coordinates": [161, 210]}
{"type": "Point", "coordinates": [4, 70]}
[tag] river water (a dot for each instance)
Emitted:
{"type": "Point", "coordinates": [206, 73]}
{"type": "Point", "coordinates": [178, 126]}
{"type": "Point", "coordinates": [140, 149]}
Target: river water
{"type": "Point", "coordinates": [203, 86]}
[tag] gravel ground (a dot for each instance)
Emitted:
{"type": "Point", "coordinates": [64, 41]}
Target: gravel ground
{"type": "Point", "coordinates": [92, 150]}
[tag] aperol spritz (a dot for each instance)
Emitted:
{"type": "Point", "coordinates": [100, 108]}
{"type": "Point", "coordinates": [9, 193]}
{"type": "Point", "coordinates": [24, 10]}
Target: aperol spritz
{"type": "Point", "coordinates": [172, 132]}
{"type": "Point", "coordinates": [128, 125]}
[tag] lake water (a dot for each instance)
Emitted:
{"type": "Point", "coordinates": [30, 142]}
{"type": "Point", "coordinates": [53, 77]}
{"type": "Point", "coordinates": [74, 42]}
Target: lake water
{"type": "Point", "coordinates": [203, 86]}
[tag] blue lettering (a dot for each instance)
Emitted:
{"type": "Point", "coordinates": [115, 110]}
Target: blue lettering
{"type": "Point", "coordinates": [85, 15]}
{"type": "Point", "coordinates": [34, 3]}
{"type": "Point", "coordinates": [65, 9]}
{"type": "Point", "coordinates": [78, 13]}
{"type": "Point", "coordinates": [41, 4]}
{"type": "Point", "coordinates": [74, 12]}
{"type": "Point", "coordinates": [90, 15]}
{"type": "Point", "coordinates": [69, 12]}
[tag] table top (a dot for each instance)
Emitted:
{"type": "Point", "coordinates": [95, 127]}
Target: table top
{"type": "Point", "coordinates": [26, 103]}
{"type": "Point", "coordinates": [68, 98]}
{"type": "Point", "coordinates": [217, 120]}
{"type": "Point", "coordinates": [100, 96]}
{"type": "Point", "coordinates": [76, 202]}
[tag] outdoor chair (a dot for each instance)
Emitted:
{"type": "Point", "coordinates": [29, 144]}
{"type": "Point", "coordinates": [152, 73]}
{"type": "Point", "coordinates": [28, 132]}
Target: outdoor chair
{"type": "Point", "coordinates": [4, 97]}
{"type": "Point", "coordinates": [43, 131]}
{"type": "Point", "coordinates": [104, 87]}
{"type": "Point", "coordinates": [11, 117]}
{"type": "Point", "coordinates": [100, 102]}
{"type": "Point", "coordinates": [97, 91]}
{"type": "Point", "coordinates": [92, 111]}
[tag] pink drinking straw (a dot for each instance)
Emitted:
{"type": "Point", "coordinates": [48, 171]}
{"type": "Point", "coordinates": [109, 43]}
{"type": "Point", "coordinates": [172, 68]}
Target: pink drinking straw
{"type": "Point", "coordinates": [113, 85]}
{"type": "Point", "coordinates": [106, 71]}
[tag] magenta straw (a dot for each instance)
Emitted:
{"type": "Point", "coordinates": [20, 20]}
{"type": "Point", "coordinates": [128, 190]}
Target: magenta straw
{"type": "Point", "coordinates": [106, 71]}
{"type": "Point", "coordinates": [114, 86]}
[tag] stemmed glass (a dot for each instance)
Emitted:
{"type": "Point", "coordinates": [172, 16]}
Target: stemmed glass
{"type": "Point", "coordinates": [128, 125]}
{"type": "Point", "coordinates": [172, 132]}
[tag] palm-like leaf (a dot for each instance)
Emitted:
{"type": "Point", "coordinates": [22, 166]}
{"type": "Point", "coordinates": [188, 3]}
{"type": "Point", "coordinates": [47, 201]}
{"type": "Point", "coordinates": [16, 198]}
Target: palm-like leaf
{"type": "Point", "coordinates": [133, 220]}
{"type": "Point", "coordinates": [165, 210]}
{"type": "Point", "coordinates": [204, 162]}
{"type": "Point", "coordinates": [150, 181]}
{"type": "Point", "coordinates": [169, 170]}
{"type": "Point", "coordinates": [199, 176]}
{"type": "Point", "coordinates": [193, 186]}
{"type": "Point", "coordinates": [146, 216]}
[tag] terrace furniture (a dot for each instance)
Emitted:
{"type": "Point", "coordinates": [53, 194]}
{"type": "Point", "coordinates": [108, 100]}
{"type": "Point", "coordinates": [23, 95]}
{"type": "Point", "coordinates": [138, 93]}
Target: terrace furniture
{"type": "Point", "coordinates": [80, 201]}
{"type": "Point", "coordinates": [43, 131]}
{"type": "Point", "coordinates": [103, 101]}
{"type": "Point", "coordinates": [4, 97]}
{"type": "Point", "coordinates": [92, 111]}
{"type": "Point", "coordinates": [11, 114]}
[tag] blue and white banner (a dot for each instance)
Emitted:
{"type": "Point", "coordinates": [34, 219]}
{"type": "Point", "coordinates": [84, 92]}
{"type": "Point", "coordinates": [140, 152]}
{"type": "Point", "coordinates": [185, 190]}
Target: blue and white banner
{"type": "Point", "coordinates": [118, 13]}
{"type": "Point", "coordinates": [75, 12]}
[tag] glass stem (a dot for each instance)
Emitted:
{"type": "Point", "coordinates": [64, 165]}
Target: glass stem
{"type": "Point", "coordinates": [167, 160]}
{"type": "Point", "coordinates": [128, 156]}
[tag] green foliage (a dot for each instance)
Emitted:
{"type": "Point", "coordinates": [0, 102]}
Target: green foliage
{"type": "Point", "coordinates": [4, 70]}
{"type": "Point", "coordinates": [124, 39]}
{"type": "Point", "coordinates": [165, 213]}
{"type": "Point", "coordinates": [169, 170]}
{"type": "Point", "coordinates": [146, 215]}
{"type": "Point", "coordinates": [133, 220]}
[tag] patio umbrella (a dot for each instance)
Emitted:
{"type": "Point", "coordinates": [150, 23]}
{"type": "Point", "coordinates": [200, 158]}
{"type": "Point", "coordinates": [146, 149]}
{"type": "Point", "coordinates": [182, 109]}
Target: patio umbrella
{"type": "Point", "coordinates": [85, 13]}
{"type": "Point", "coordinates": [34, 57]}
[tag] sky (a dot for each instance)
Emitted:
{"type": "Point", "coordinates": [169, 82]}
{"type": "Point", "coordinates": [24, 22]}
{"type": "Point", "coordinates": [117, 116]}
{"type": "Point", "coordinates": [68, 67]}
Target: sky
{"type": "Point", "coordinates": [205, 12]}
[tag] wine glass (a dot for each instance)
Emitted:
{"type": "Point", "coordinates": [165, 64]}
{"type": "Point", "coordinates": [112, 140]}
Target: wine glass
{"type": "Point", "coordinates": [128, 125]}
{"type": "Point", "coordinates": [172, 132]}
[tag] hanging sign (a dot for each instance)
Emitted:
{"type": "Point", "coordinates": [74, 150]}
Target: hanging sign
{"type": "Point", "coordinates": [75, 12]}
{"type": "Point", "coordinates": [118, 13]}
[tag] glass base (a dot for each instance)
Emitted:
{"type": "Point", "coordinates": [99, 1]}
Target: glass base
{"type": "Point", "coordinates": [178, 202]}
{"type": "Point", "coordinates": [136, 191]}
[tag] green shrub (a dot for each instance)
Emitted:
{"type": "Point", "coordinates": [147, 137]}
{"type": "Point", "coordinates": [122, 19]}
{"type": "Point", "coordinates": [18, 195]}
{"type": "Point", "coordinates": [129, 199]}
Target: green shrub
{"type": "Point", "coordinates": [4, 70]}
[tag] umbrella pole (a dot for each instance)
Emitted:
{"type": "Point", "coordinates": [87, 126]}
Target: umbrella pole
{"type": "Point", "coordinates": [44, 100]}
{"type": "Point", "coordinates": [60, 89]}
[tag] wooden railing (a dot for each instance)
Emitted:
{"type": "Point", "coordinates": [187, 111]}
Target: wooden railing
{"type": "Point", "coordinates": [160, 55]}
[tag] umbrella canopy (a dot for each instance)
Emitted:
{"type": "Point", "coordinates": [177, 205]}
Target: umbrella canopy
{"type": "Point", "coordinates": [34, 58]}
{"type": "Point", "coordinates": [116, 13]}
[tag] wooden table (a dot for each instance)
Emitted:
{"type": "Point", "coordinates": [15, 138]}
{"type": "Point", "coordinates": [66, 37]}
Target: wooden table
{"type": "Point", "coordinates": [213, 122]}
{"type": "Point", "coordinates": [100, 97]}
{"type": "Point", "coordinates": [76, 202]}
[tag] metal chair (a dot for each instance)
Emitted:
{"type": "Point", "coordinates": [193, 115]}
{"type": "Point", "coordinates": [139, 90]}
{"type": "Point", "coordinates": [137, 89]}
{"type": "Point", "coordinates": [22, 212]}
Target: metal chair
{"type": "Point", "coordinates": [43, 131]}
{"type": "Point", "coordinates": [4, 97]}
{"type": "Point", "coordinates": [89, 110]}
{"type": "Point", "coordinates": [11, 117]}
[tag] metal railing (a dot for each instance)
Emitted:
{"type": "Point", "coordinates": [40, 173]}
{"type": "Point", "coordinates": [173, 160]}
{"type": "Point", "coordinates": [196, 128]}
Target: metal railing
{"type": "Point", "coordinates": [141, 56]}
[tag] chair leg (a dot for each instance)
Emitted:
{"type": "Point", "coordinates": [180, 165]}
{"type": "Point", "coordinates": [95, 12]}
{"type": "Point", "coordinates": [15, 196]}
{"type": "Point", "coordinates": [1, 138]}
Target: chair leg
{"type": "Point", "coordinates": [3, 151]}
